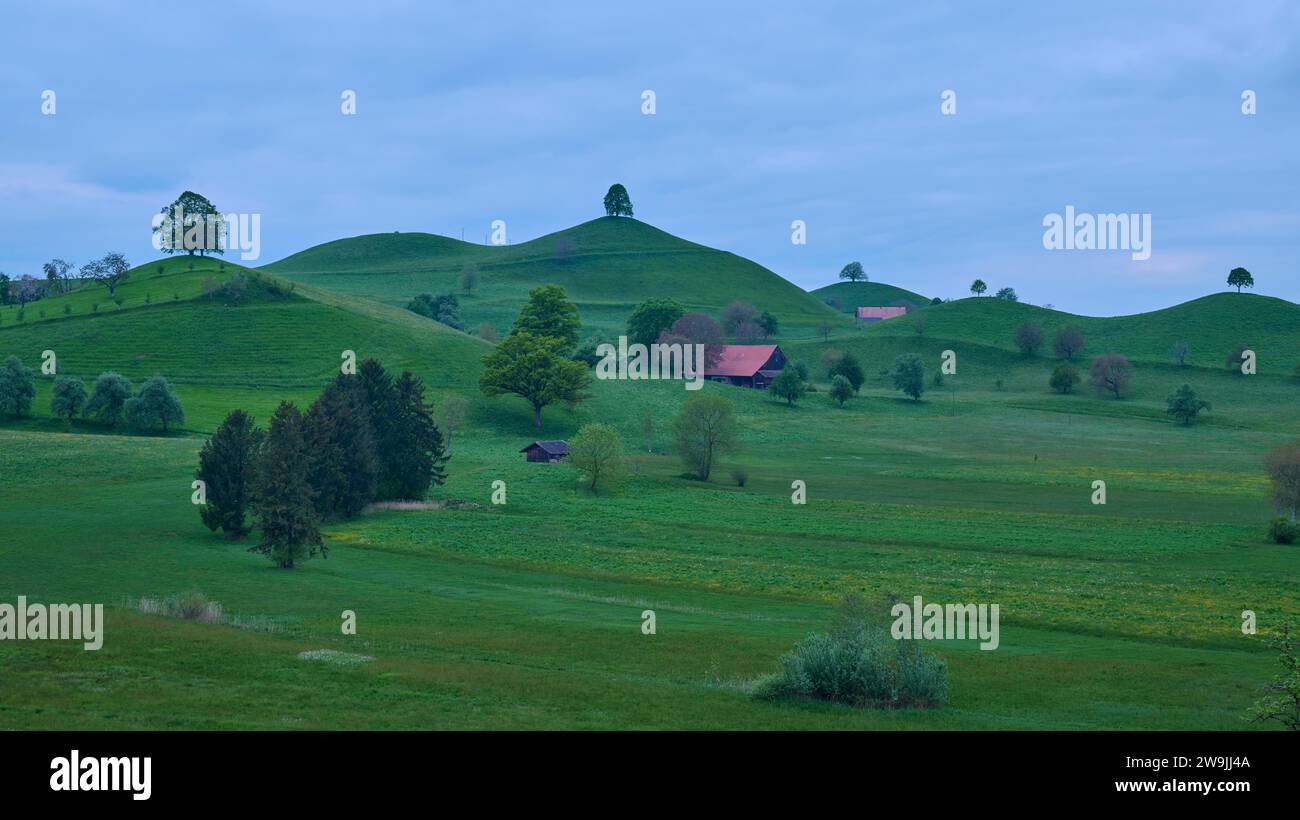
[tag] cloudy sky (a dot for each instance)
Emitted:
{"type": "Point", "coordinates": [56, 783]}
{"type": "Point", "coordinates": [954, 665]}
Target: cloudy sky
{"type": "Point", "coordinates": [824, 112]}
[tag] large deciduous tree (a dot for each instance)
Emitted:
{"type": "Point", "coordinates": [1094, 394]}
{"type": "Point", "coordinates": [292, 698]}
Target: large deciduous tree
{"type": "Point", "coordinates": [1068, 342]}
{"type": "Point", "coordinates": [108, 398]}
{"type": "Point", "coordinates": [550, 314]}
{"type": "Point", "coordinates": [155, 405]}
{"type": "Point", "coordinates": [533, 368]}
{"type": "Point", "coordinates": [1283, 467]}
{"type": "Point", "coordinates": [1183, 404]}
{"type": "Point", "coordinates": [853, 272]}
{"type": "Point", "coordinates": [1240, 278]}
{"type": "Point", "coordinates": [652, 317]}
{"type": "Point", "coordinates": [200, 226]}
{"type": "Point", "coordinates": [617, 202]}
{"type": "Point", "coordinates": [597, 452]}
{"type": "Point", "coordinates": [17, 387]}
{"type": "Point", "coordinates": [1111, 373]}
{"type": "Point", "coordinates": [909, 375]}
{"type": "Point", "coordinates": [68, 398]}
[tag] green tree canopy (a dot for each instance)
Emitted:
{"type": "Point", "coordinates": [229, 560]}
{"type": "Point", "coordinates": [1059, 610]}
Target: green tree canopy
{"type": "Point", "coordinates": [17, 387]}
{"type": "Point", "coordinates": [156, 405]}
{"type": "Point", "coordinates": [909, 375]}
{"type": "Point", "coordinates": [978, 287]}
{"type": "Point", "coordinates": [282, 493]}
{"type": "Point", "coordinates": [597, 452]}
{"type": "Point", "coordinates": [345, 468]}
{"type": "Point", "coordinates": [533, 368]}
{"type": "Point", "coordinates": [617, 202]}
{"type": "Point", "coordinates": [853, 272]}
{"type": "Point", "coordinates": [108, 398]}
{"type": "Point", "coordinates": [226, 469]}
{"type": "Point", "coordinates": [550, 314]}
{"type": "Point", "coordinates": [68, 397]}
{"type": "Point", "coordinates": [704, 429]}
{"type": "Point", "coordinates": [1183, 404]}
{"type": "Point", "coordinates": [841, 390]}
{"type": "Point", "coordinates": [201, 227]}
{"type": "Point", "coordinates": [652, 317]}
{"type": "Point", "coordinates": [1240, 278]}
{"type": "Point", "coordinates": [787, 385]}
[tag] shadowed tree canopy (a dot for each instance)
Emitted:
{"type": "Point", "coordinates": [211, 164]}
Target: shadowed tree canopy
{"type": "Point", "coordinates": [550, 314]}
{"type": "Point", "coordinates": [617, 202]}
{"type": "Point", "coordinates": [652, 317]}
{"type": "Point", "coordinates": [226, 469]}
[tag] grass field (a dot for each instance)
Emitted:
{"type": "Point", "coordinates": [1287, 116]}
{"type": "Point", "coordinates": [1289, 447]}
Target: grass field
{"type": "Point", "coordinates": [528, 614]}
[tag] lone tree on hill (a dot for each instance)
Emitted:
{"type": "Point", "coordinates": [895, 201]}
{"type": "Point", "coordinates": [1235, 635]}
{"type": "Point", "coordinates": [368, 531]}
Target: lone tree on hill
{"type": "Point", "coordinates": [156, 405]}
{"type": "Point", "coordinates": [597, 452]}
{"type": "Point", "coordinates": [617, 202]}
{"type": "Point", "coordinates": [1283, 467]}
{"type": "Point", "coordinates": [282, 494]}
{"type": "Point", "coordinates": [909, 375]}
{"type": "Point", "coordinates": [196, 215]}
{"type": "Point", "coordinates": [226, 469]}
{"type": "Point", "coordinates": [550, 314]}
{"type": "Point", "coordinates": [17, 387]}
{"type": "Point", "coordinates": [704, 429]}
{"type": "Point", "coordinates": [1183, 404]}
{"type": "Point", "coordinates": [1007, 294]}
{"type": "Point", "coordinates": [110, 271]}
{"type": "Point", "coordinates": [652, 317]}
{"type": "Point", "coordinates": [978, 287]}
{"type": "Point", "coordinates": [853, 272]}
{"type": "Point", "coordinates": [1068, 342]}
{"type": "Point", "coordinates": [533, 368]}
{"type": "Point", "coordinates": [1240, 278]}
{"type": "Point", "coordinates": [787, 385]}
{"type": "Point", "coordinates": [1111, 373]}
{"type": "Point", "coordinates": [1029, 337]}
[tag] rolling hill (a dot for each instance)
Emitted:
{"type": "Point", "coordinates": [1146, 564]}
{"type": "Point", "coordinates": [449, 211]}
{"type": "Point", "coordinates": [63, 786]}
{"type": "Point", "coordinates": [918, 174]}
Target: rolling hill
{"type": "Point", "coordinates": [607, 265]}
{"type": "Point", "coordinates": [851, 295]}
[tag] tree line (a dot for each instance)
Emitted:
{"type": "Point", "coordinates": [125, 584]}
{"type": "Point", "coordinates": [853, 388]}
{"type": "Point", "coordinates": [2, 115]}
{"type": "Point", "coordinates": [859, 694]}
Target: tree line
{"type": "Point", "coordinates": [155, 406]}
{"type": "Point", "coordinates": [367, 437]}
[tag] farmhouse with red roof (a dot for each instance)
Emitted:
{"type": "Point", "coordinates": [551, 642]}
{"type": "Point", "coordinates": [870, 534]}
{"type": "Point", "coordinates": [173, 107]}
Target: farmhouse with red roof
{"type": "Point", "coordinates": [876, 314]}
{"type": "Point", "coordinates": [746, 365]}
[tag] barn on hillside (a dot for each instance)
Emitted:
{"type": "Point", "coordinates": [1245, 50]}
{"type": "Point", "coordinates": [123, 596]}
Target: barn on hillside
{"type": "Point", "coordinates": [549, 452]}
{"type": "Point", "coordinates": [746, 365]}
{"type": "Point", "coordinates": [876, 314]}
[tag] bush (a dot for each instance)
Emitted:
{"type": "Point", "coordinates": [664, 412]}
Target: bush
{"type": "Point", "coordinates": [192, 606]}
{"type": "Point", "coordinates": [859, 664]}
{"type": "Point", "coordinates": [1064, 378]}
{"type": "Point", "coordinates": [739, 476]}
{"type": "Point", "coordinates": [1282, 530]}
{"type": "Point", "coordinates": [1029, 337]}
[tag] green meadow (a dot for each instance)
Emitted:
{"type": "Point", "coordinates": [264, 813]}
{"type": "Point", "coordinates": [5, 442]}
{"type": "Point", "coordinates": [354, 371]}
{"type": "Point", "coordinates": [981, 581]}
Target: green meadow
{"type": "Point", "coordinates": [527, 615]}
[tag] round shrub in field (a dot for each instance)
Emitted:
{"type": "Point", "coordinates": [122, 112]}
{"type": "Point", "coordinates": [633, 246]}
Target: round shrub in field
{"type": "Point", "coordinates": [1282, 530]}
{"type": "Point", "coordinates": [859, 664]}
{"type": "Point", "coordinates": [154, 406]}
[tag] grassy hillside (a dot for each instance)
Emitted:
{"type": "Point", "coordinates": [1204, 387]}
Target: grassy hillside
{"type": "Point", "coordinates": [607, 265]}
{"type": "Point", "coordinates": [1213, 326]}
{"type": "Point", "coordinates": [852, 295]}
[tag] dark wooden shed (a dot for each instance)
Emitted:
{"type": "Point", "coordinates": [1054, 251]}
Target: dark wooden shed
{"type": "Point", "coordinates": [551, 452]}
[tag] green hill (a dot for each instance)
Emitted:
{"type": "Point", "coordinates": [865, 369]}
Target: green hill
{"type": "Point", "coordinates": [852, 295]}
{"type": "Point", "coordinates": [607, 265]}
{"type": "Point", "coordinates": [1212, 326]}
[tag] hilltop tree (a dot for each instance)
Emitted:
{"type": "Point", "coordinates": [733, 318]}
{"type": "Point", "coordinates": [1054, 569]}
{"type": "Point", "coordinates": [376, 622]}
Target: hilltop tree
{"type": "Point", "coordinates": [853, 272]}
{"type": "Point", "coordinates": [847, 365]}
{"type": "Point", "coordinates": [909, 375]}
{"type": "Point", "coordinates": [67, 398]}
{"type": "Point", "coordinates": [469, 277]}
{"type": "Point", "coordinates": [978, 287]}
{"type": "Point", "coordinates": [1240, 278]}
{"type": "Point", "coordinates": [156, 405]}
{"type": "Point", "coordinates": [1064, 378]}
{"type": "Point", "coordinates": [787, 385]}
{"type": "Point", "coordinates": [704, 429]}
{"type": "Point", "coordinates": [226, 469]}
{"type": "Point", "coordinates": [110, 271]}
{"type": "Point", "coordinates": [841, 390]}
{"type": "Point", "coordinates": [1007, 294]}
{"type": "Point", "coordinates": [108, 398]}
{"type": "Point", "coordinates": [419, 457]}
{"type": "Point", "coordinates": [1283, 466]}
{"type": "Point", "coordinates": [1068, 342]}
{"type": "Point", "coordinates": [533, 368]}
{"type": "Point", "coordinates": [651, 318]}
{"type": "Point", "coordinates": [17, 387]}
{"type": "Point", "coordinates": [617, 202]}
{"type": "Point", "coordinates": [1183, 404]}
{"type": "Point", "coordinates": [549, 313]}
{"type": "Point", "coordinates": [1029, 337]}
{"type": "Point", "coordinates": [344, 461]}
{"type": "Point", "coordinates": [597, 452]}
{"type": "Point", "coordinates": [282, 494]}
{"type": "Point", "coordinates": [196, 214]}
{"type": "Point", "coordinates": [1111, 373]}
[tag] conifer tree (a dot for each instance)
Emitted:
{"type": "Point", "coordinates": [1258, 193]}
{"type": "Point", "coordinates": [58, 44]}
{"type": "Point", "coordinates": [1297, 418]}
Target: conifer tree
{"type": "Point", "coordinates": [282, 493]}
{"type": "Point", "coordinates": [418, 456]}
{"type": "Point", "coordinates": [226, 469]}
{"type": "Point", "coordinates": [345, 465]}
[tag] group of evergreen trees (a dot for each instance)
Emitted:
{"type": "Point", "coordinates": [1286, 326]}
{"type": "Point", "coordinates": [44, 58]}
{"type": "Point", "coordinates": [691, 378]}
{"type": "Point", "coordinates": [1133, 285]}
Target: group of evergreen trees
{"type": "Point", "coordinates": [367, 437]}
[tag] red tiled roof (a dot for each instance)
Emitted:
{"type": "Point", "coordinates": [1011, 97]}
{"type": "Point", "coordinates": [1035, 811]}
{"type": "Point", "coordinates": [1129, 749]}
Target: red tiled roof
{"type": "Point", "coordinates": [880, 312]}
{"type": "Point", "coordinates": [740, 360]}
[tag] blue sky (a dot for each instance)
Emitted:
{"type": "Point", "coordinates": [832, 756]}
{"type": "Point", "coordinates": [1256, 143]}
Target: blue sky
{"type": "Point", "coordinates": [766, 113]}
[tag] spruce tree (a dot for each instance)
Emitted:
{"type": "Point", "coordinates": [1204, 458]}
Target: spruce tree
{"type": "Point", "coordinates": [418, 456]}
{"type": "Point", "coordinates": [344, 463]}
{"type": "Point", "coordinates": [226, 469]}
{"type": "Point", "coordinates": [380, 398]}
{"type": "Point", "coordinates": [282, 493]}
